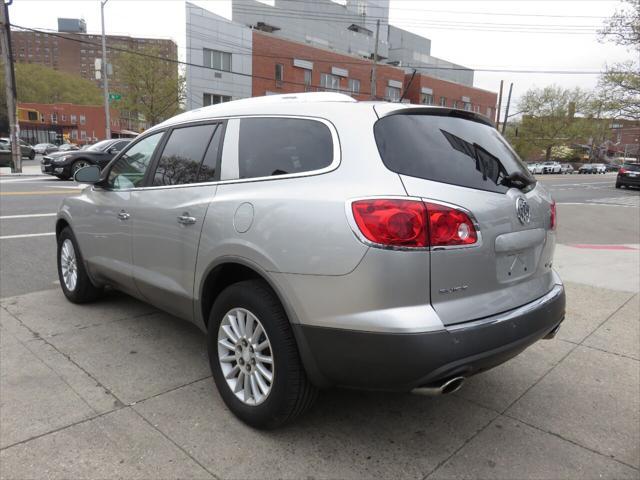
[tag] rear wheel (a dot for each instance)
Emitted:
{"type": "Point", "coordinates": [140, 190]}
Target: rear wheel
{"type": "Point", "coordinates": [32, 154]}
{"type": "Point", "coordinates": [254, 358]}
{"type": "Point", "coordinates": [75, 282]}
{"type": "Point", "coordinates": [618, 185]}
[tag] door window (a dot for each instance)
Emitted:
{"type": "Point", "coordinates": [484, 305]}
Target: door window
{"type": "Point", "coordinates": [129, 170]}
{"type": "Point", "coordinates": [182, 156]}
{"type": "Point", "coordinates": [279, 146]}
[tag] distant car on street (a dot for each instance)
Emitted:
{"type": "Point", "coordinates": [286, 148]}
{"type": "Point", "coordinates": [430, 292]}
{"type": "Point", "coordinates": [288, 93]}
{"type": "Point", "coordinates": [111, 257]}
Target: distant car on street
{"type": "Point", "coordinates": [535, 168]}
{"type": "Point", "coordinates": [587, 168]}
{"type": "Point", "coordinates": [600, 168]}
{"type": "Point", "coordinates": [45, 148]}
{"type": "Point", "coordinates": [612, 167]}
{"type": "Point", "coordinates": [551, 167]}
{"type": "Point", "coordinates": [25, 149]}
{"type": "Point", "coordinates": [5, 155]}
{"type": "Point", "coordinates": [566, 168]}
{"type": "Point", "coordinates": [628, 175]}
{"type": "Point", "coordinates": [66, 147]}
{"type": "Point", "coordinates": [64, 164]}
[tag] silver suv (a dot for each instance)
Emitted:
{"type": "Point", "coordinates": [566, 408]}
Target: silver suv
{"type": "Point", "coordinates": [320, 242]}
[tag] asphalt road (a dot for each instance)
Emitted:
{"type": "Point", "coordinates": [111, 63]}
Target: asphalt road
{"type": "Point", "coordinates": [591, 211]}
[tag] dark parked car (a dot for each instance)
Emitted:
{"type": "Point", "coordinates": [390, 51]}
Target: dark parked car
{"type": "Point", "coordinates": [5, 155]}
{"type": "Point", "coordinates": [67, 147]}
{"type": "Point", "coordinates": [64, 164]}
{"type": "Point", "coordinates": [628, 175]}
{"type": "Point", "coordinates": [26, 149]}
{"type": "Point", "coordinates": [587, 168]}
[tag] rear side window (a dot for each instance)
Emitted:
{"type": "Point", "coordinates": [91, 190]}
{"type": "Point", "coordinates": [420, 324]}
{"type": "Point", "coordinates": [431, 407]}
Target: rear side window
{"type": "Point", "coordinates": [280, 146]}
{"type": "Point", "coordinates": [182, 157]}
{"type": "Point", "coordinates": [633, 167]}
{"type": "Point", "coordinates": [447, 149]}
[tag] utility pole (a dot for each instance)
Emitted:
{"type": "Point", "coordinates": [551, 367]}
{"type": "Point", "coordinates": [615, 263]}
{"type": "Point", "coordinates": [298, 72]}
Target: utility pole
{"type": "Point", "coordinates": [105, 77]}
{"type": "Point", "coordinates": [499, 106]}
{"type": "Point", "coordinates": [10, 87]}
{"type": "Point", "coordinates": [506, 113]}
{"type": "Point", "coordinates": [375, 63]}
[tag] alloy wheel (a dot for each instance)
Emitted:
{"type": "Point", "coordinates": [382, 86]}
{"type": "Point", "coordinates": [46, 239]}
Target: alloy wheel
{"type": "Point", "coordinates": [245, 356]}
{"type": "Point", "coordinates": [68, 265]}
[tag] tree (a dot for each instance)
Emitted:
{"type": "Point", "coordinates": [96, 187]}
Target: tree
{"type": "Point", "coordinates": [619, 86]}
{"type": "Point", "coordinates": [40, 84]}
{"type": "Point", "coordinates": [555, 116]}
{"type": "Point", "coordinates": [155, 89]}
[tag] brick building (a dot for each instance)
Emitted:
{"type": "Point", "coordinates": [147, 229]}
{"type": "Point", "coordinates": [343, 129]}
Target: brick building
{"type": "Point", "coordinates": [66, 122]}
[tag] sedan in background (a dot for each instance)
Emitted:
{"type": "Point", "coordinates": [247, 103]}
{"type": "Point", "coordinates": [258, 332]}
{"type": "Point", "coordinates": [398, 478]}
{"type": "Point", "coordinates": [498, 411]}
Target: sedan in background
{"type": "Point", "coordinates": [45, 148]}
{"type": "Point", "coordinates": [535, 168]}
{"type": "Point", "coordinates": [67, 147]}
{"type": "Point", "coordinates": [65, 164]}
{"type": "Point", "coordinates": [5, 155]}
{"type": "Point", "coordinates": [628, 175]}
{"type": "Point", "coordinates": [567, 169]}
{"type": "Point", "coordinates": [551, 167]}
{"type": "Point", "coordinates": [587, 168]}
{"type": "Point", "coordinates": [25, 149]}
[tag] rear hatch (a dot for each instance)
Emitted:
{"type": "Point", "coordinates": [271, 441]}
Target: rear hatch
{"type": "Point", "coordinates": [458, 158]}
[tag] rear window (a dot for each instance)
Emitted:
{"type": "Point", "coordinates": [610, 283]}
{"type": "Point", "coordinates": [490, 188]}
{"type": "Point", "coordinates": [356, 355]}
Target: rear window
{"type": "Point", "coordinates": [447, 149]}
{"type": "Point", "coordinates": [279, 146]}
{"type": "Point", "coordinates": [633, 167]}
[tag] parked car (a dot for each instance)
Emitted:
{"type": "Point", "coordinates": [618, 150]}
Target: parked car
{"type": "Point", "coordinates": [535, 168]}
{"type": "Point", "coordinates": [551, 167]}
{"type": "Point", "coordinates": [600, 168]}
{"type": "Point", "coordinates": [612, 167]}
{"type": "Point", "coordinates": [25, 149]}
{"type": "Point", "coordinates": [566, 168]}
{"type": "Point", "coordinates": [45, 148]}
{"type": "Point", "coordinates": [5, 155]}
{"type": "Point", "coordinates": [587, 168]}
{"type": "Point", "coordinates": [628, 175]}
{"type": "Point", "coordinates": [67, 147]}
{"type": "Point", "coordinates": [320, 241]}
{"type": "Point", "coordinates": [64, 164]}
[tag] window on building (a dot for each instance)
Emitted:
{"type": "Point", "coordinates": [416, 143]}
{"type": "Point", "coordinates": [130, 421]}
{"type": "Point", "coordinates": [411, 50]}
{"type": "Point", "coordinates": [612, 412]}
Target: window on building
{"type": "Point", "coordinates": [54, 118]}
{"type": "Point", "coordinates": [214, 99]}
{"type": "Point", "coordinates": [307, 78]}
{"type": "Point", "coordinates": [392, 94]}
{"type": "Point", "coordinates": [476, 108]}
{"type": "Point", "coordinates": [467, 106]}
{"type": "Point", "coordinates": [74, 134]}
{"type": "Point", "coordinates": [329, 82]}
{"type": "Point", "coordinates": [455, 104]}
{"type": "Point", "coordinates": [32, 116]}
{"type": "Point", "coordinates": [426, 98]}
{"type": "Point", "coordinates": [64, 117]}
{"type": "Point", "coordinates": [182, 156]}
{"type": "Point", "coordinates": [279, 72]}
{"type": "Point", "coordinates": [83, 119]}
{"type": "Point", "coordinates": [83, 135]}
{"type": "Point", "coordinates": [74, 118]}
{"type": "Point", "coordinates": [354, 86]}
{"type": "Point", "coordinates": [279, 146]}
{"type": "Point", "coordinates": [217, 59]}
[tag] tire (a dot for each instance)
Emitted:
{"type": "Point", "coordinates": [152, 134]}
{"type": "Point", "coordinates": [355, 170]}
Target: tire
{"type": "Point", "coordinates": [290, 393]}
{"type": "Point", "coordinates": [32, 154]}
{"type": "Point", "coordinates": [82, 291]}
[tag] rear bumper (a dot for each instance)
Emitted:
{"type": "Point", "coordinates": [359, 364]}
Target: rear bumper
{"type": "Point", "coordinates": [401, 362]}
{"type": "Point", "coordinates": [627, 180]}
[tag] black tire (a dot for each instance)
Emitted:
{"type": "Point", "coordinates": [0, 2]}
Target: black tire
{"type": "Point", "coordinates": [618, 185]}
{"type": "Point", "coordinates": [78, 164]}
{"type": "Point", "coordinates": [32, 154]}
{"type": "Point", "coordinates": [84, 291]}
{"type": "Point", "coordinates": [291, 392]}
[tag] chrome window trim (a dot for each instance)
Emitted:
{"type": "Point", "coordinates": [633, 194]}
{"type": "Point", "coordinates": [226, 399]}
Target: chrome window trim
{"type": "Point", "coordinates": [335, 162]}
{"type": "Point", "coordinates": [360, 236]}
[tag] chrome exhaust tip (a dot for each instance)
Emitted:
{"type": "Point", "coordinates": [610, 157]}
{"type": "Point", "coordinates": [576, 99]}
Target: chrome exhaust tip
{"type": "Point", "coordinates": [444, 388]}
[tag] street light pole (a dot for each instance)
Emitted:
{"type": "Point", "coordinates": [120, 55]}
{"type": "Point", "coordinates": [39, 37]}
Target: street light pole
{"type": "Point", "coordinates": [105, 77]}
{"type": "Point", "coordinates": [10, 86]}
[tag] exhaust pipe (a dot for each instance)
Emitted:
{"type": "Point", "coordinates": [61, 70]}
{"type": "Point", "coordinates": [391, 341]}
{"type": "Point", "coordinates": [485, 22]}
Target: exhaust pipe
{"type": "Point", "coordinates": [553, 332]}
{"type": "Point", "coordinates": [448, 386]}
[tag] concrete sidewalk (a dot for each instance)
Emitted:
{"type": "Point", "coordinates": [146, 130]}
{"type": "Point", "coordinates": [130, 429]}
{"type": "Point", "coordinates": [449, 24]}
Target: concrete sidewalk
{"type": "Point", "coordinates": [117, 389]}
{"type": "Point", "coordinates": [27, 170]}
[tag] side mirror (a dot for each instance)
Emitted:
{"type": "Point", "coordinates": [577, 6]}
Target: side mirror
{"type": "Point", "coordinates": [113, 150]}
{"type": "Point", "coordinates": [89, 174]}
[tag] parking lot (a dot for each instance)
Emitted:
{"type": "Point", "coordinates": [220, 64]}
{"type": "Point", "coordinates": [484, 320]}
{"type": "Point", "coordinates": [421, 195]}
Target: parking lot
{"type": "Point", "coordinates": [117, 389]}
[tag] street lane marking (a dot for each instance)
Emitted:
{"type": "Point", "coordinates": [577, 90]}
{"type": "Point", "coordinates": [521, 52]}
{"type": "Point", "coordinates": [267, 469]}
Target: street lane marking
{"type": "Point", "coordinates": [602, 247]}
{"type": "Point", "coordinates": [28, 235]}
{"type": "Point", "coordinates": [29, 215]}
{"type": "Point", "coordinates": [40, 192]}
{"type": "Point", "coordinates": [33, 178]}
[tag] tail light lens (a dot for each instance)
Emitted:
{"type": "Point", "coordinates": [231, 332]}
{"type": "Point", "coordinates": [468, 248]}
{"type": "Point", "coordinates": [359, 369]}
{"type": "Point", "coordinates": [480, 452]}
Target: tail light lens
{"type": "Point", "coordinates": [553, 217]}
{"type": "Point", "coordinates": [622, 171]}
{"type": "Point", "coordinates": [412, 223]}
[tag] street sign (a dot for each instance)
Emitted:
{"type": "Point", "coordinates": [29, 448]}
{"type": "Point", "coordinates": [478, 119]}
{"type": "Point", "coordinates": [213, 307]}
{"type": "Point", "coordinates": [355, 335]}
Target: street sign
{"type": "Point", "coordinates": [115, 96]}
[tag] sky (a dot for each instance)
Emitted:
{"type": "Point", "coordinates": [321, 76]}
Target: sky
{"type": "Point", "coordinates": [532, 34]}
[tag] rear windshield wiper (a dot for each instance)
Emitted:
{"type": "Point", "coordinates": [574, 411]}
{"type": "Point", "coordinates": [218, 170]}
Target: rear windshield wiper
{"type": "Point", "coordinates": [517, 180]}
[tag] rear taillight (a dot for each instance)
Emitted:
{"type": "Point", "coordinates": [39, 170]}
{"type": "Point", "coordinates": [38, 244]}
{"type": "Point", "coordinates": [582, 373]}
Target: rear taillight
{"type": "Point", "coordinates": [553, 216]}
{"type": "Point", "coordinates": [412, 223]}
{"type": "Point", "coordinates": [622, 171]}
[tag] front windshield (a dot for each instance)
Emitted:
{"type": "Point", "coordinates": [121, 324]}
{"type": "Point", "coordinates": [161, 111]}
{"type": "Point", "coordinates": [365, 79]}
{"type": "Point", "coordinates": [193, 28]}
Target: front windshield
{"type": "Point", "coordinates": [100, 146]}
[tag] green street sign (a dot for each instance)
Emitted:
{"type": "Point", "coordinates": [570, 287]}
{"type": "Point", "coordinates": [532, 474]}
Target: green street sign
{"type": "Point", "coordinates": [115, 96]}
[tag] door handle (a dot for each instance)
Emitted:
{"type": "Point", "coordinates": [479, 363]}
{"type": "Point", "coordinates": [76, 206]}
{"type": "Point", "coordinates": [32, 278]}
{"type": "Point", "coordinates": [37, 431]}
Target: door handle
{"type": "Point", "coordinates": [123, 215]}
{"type": "Point", "coordinates": [185, 219]}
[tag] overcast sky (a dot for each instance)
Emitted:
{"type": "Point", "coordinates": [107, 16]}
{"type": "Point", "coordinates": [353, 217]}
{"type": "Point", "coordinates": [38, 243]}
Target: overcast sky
{"type": "Point", "coordinates": [532, 35]}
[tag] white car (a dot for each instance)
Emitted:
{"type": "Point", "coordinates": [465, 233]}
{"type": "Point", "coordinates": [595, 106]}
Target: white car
{"type": "Point", "coordinates": [551, 167]}
{"type": "Point", "coordinates": [600, 168]}
{"type": "Point", "coordinates": [535, 168]}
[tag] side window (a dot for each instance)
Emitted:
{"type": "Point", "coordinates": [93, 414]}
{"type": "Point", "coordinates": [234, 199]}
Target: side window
{"type": "Point", "coordinates": [183, 154]}
{"type": "Point", "coordinates": [278, 146]}
{"type": "Point", "coordinates": [129, 170]}
{"type": "Point", "coordinates": [119, 146]}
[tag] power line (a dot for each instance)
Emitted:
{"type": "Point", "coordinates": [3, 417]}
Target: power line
{"type": "Point", "coordinates": [360, 62]}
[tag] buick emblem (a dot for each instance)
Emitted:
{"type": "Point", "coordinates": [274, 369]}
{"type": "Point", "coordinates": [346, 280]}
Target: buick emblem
{"type": "Point", "coordinates": [522, 211]}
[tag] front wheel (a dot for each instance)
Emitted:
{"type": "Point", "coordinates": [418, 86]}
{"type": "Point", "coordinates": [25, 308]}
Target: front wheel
{"type": "Point", "coordinates": [254, 358]}
{"type": "Point", "coordinates": [77, 165]}
{"type": "Point", "coordinates": [75, 282]}
{"type": "Point", "coordinates": [32, 154]}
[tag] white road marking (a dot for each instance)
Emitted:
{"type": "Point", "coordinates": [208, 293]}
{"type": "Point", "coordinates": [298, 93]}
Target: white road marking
{"type": "Point", "coordinates": [25, 179]}
{"type": "Point", "coordinates": [30, 215]}
{"type": "Point", "coordinates": [584, 184]}
{"type": "Point", "coordinates": [79, 187]}
{"type": "Point", "coordinates": [27, 235]}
